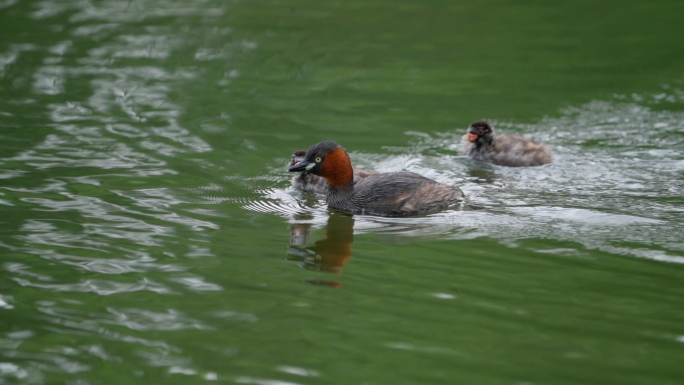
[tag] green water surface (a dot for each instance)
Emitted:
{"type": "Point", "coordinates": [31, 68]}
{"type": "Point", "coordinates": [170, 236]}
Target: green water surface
{"type": "Point", "coordinates": [149, 233]}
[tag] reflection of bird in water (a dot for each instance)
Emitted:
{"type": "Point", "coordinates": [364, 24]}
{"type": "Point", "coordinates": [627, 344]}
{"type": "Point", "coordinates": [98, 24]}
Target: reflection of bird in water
{"type": "Point", "coordinates": [392, 194]}
{"type": "Point", "coordinates": [299, 234]}
{"type": "Point", "coordinates": [329, 254]}
{"type": "Point", "coordinates": [504, 150]}
{"type": "Point", "coordinates": [306, 181]}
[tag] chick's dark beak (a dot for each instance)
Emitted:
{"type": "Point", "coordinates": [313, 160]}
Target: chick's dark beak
{"type": "Point", "coordinates": [298, 167]}
{"type": "Point", "coordinates": [472, 134]}
{"type": "Point", "coordinates": [297, 157]}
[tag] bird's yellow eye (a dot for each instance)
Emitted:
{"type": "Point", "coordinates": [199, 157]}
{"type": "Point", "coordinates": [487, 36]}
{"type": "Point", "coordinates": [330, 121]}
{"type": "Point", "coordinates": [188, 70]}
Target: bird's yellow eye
{"type": "Point", "coordinates": [318, 159]}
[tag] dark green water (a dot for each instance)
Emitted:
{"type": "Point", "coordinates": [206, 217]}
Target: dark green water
{"type": "Point", "coordinates": [149, 234]}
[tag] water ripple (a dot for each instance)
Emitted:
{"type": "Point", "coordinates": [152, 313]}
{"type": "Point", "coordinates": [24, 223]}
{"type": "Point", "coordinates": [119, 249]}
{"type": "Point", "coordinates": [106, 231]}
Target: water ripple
{"type": "Point", "coordinates": [140, 319]}
{"type": "Point", "coordinates": [98, 286]}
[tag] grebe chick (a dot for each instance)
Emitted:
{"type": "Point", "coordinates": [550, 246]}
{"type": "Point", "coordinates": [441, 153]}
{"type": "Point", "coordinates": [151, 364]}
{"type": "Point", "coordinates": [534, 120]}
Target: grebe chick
{"type": "Point", "coordinates": [392, 194]}
{"type": "Point", "coordinates": [307, 181]}
{"type": "Point", "coordinates": [505, 149]}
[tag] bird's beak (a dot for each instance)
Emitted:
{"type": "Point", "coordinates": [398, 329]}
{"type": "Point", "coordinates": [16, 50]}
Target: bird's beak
{"type": "Point", "coordinates": [301, 166]}
{"type": "Point", "coordinates": [472, 134]}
